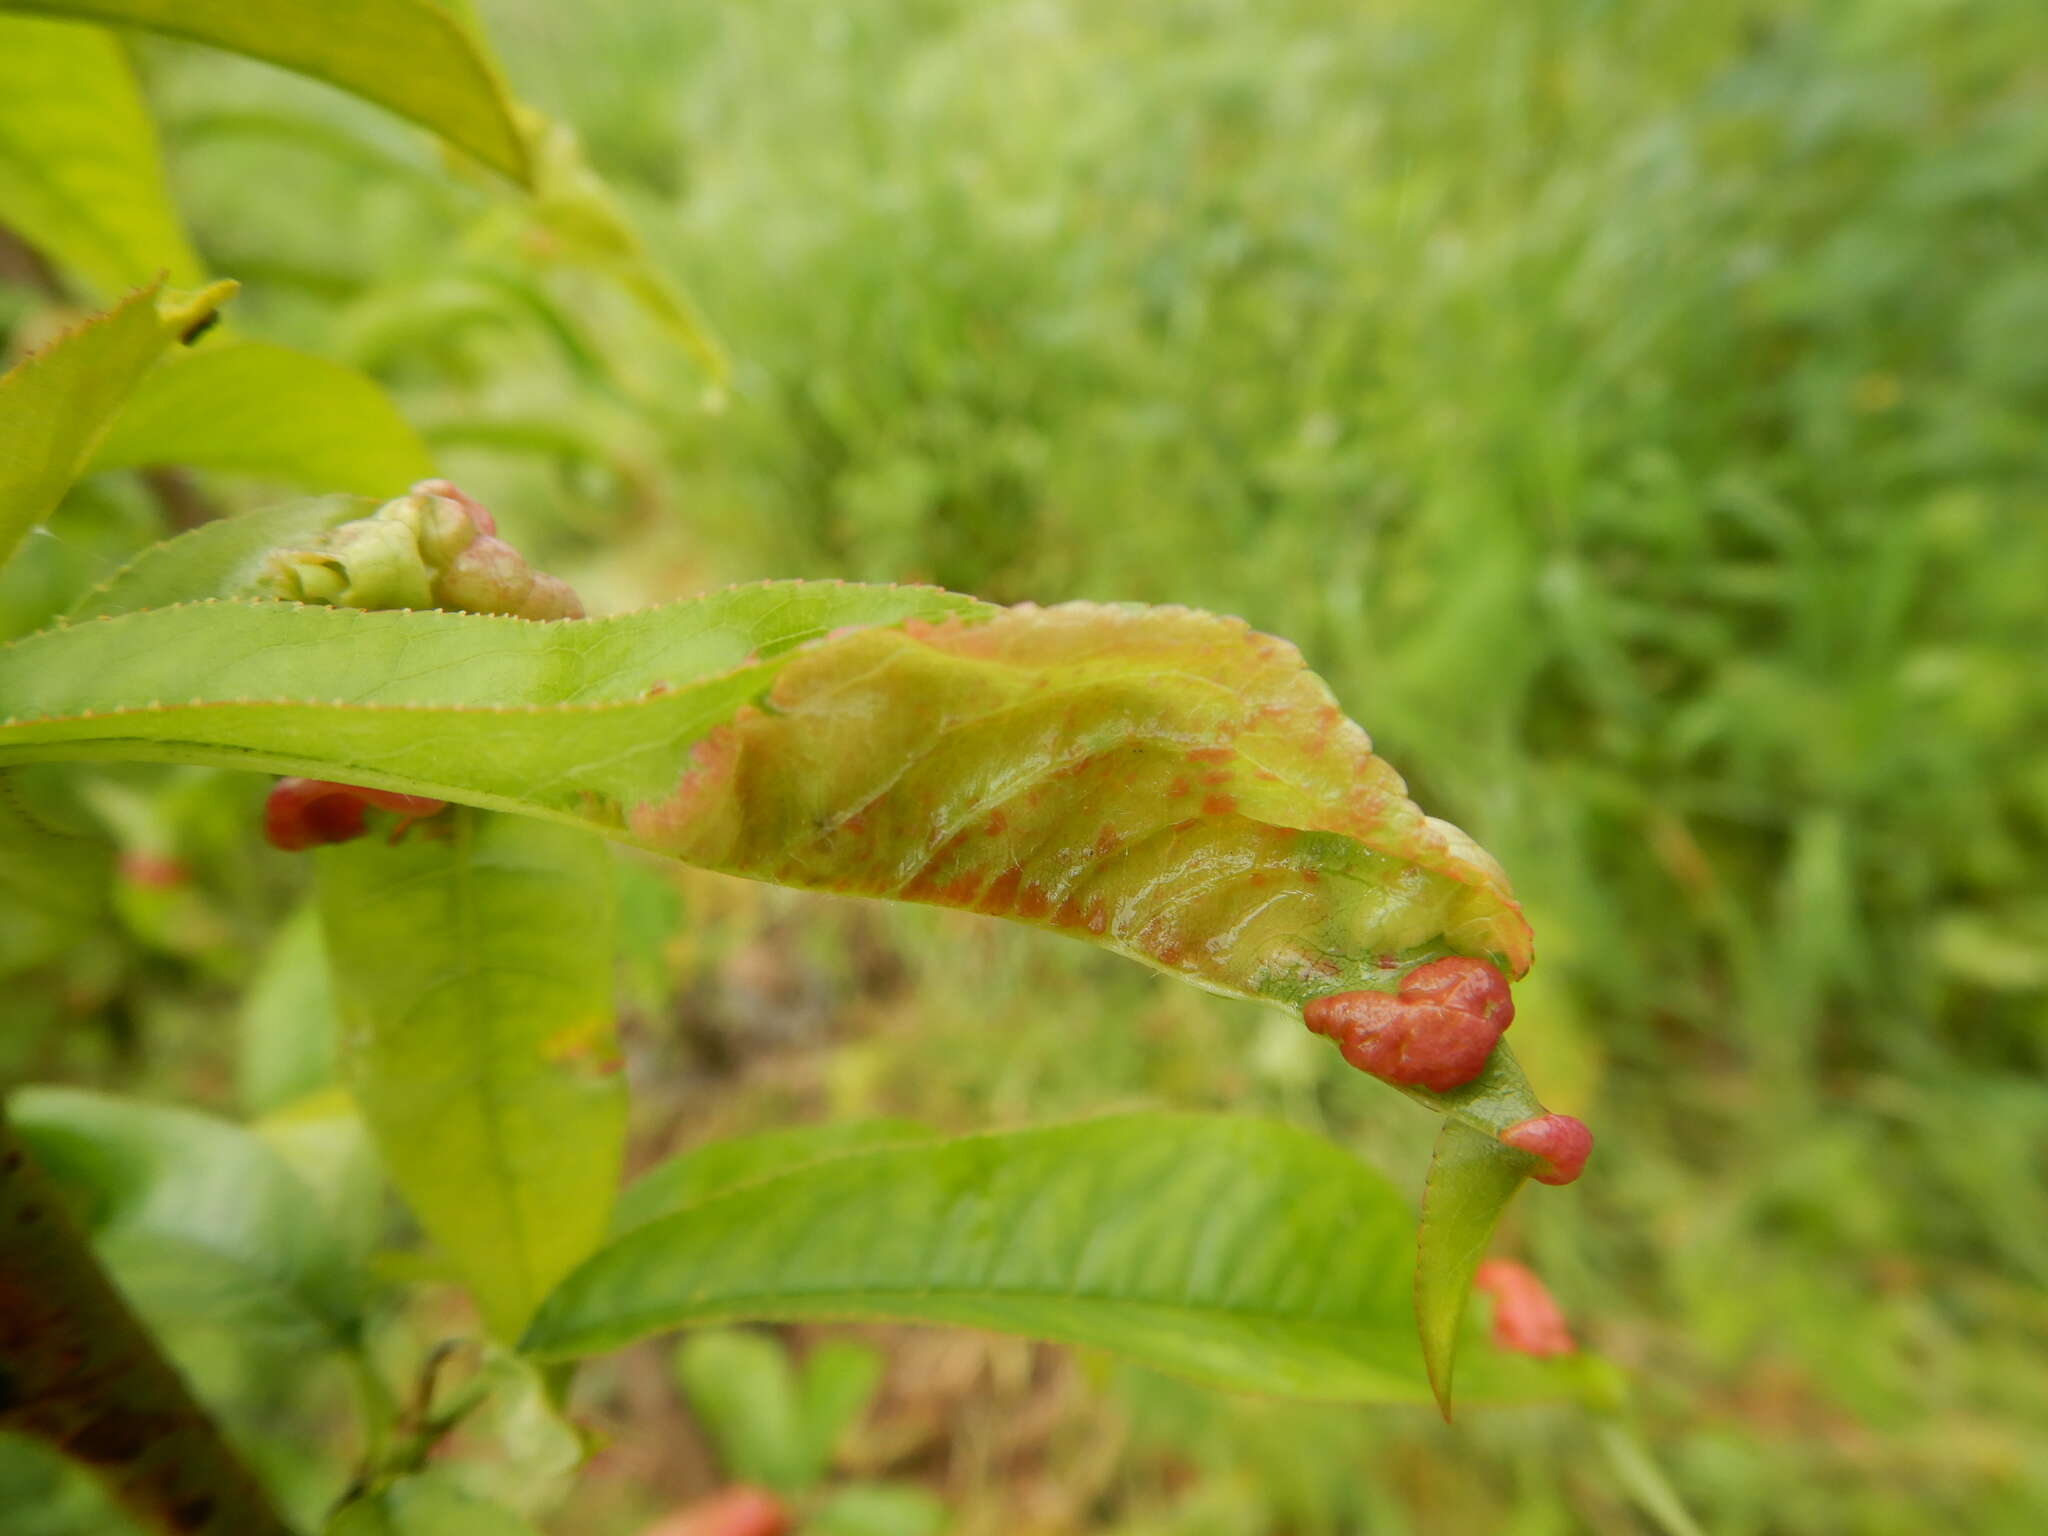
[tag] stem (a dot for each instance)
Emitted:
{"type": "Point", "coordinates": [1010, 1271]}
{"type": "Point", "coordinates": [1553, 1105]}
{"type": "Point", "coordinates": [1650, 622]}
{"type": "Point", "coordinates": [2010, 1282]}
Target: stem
{"type": "Point", "coordinates": [78, 1372]}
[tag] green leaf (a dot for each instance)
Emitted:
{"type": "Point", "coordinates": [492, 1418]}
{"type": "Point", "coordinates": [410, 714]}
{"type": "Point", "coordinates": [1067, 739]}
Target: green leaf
{"type": "Point", "coordinates": [216, 559]}
{"type": "Point", "coordinates": [878, 1509]}
{"type": "Point", "coordinates": [472, 967]}
{"type": "Point", "coordinates": [1472, 1177]}
{"type": "Point", "coordinates": [56, 403]}
{"type": "Point", "coordinates": [197, 1218]}
{"type": "Point", "coordinates": [575, 219]}
{"type": "Point", "coordinates": [53, 880]}
{"type": "Point", "coordinates": [432, 1504]}
{"type": "Point", "coordinates": [80, 176]}
{"type": "Point", "coordinates": [717, 1166]}
{"type": "Point", "coordinates": [1163, 782]}
{"type": "Point", "coordinates": [837, 1381]}
{"type": "Point", "coordinates": [743, 1390]}
{"type": "Point", "coordinates": [287, 1025]}
{"type": "Point", "coordinates": [409, 56]}
{"type": "Point", "coordinates": [323, 1138]}
{"type": "Point", "coordinates": [1237, 1252]}
{"type": "Point", "coordinates": [255, 409]}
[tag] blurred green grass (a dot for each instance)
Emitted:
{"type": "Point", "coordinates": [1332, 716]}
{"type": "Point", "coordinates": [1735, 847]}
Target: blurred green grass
{"type": "Point", "coordinates": [1637, 412]}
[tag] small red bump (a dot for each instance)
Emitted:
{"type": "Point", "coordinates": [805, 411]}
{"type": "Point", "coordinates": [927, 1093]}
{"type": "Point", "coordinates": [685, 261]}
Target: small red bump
{"type": "Point", "coordinates": [1096, 918]}
{"type": "Point", "coordinates": [1178, 787]}
{"type": "Point", "coordinates": [1106, 841]}
{"type": "Point", "coordinates": [1526, 1321]}
{"type": "Point", "coordinates": [1212, 754]}
{"type": "Point", "coordinates": [1033, 903]}
{"type": "Point", "coordinates": [996, 825]}
{"type": "Point", "coordinates": [1218, 805]}
{"type": "Point", "coordinates": [1562, 1142]}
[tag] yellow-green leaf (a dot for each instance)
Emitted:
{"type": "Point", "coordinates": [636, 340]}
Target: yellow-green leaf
{"type": "Point", "coordinates": [257, 409]}
{"type": "Point", "coordinates": [409, 56]}
{"type": "Point", "coordinates": [56, 404]}
{"type": "Point", "coordinates": [471, 965]}
{"type": "Point", "coordinates": [81, 179]}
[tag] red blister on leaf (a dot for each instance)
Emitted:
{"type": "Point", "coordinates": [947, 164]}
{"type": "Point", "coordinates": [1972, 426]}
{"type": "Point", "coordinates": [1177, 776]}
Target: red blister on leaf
{"type": "Point", "coordinates": [308, 813]}
{"type": "Point", "coordinates": [1561, 1141]}
{"type": "Point", "coordinates": [1526, 1320]}
{"type": "Point", "coordinates": [1435, 1032]}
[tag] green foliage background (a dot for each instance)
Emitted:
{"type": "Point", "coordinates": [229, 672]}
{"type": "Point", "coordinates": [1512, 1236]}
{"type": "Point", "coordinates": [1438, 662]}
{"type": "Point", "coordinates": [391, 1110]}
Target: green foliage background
{"type": "Point", "coordinates": [1635, 411]}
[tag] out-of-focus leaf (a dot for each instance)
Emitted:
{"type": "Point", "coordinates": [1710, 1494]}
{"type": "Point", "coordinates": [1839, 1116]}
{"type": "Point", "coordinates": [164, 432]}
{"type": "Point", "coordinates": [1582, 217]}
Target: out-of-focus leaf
{"type": "Point", "coordinates": [1165, 783]}
{"type": "Point", "coordinates": [1472, 1177]}
{"type": "Point", "coordinates": [576, 219]}
{"type": "Point", "coordinates": [1238, 1252]}
{"type": "Point", "coordinates": [323, 1139]}
{"type": "Point", "coordinates": [878, 1509]}
{"type": "Point", "coordinates": [744, 1392]}
{"type": "Point", "coordinates": [80, 176]}
{"type": "Point", "coordinates": [256, 409]}
{"type": "Point", "coordinates": [53, 881]}
{"type": "Point", "coordinates": [517, 1447]}
{"type": "Point", "coordinates": [718, 1166]}
{"type": "Point", "coordinates": [472, 968]}
{"type": "Point", "coordinates": [56, 403]}
{"type": "Point", "coordinates": [409, 56]}
{"type": "Point", "coordinates": [196, 1217]}
{"type": "Point", "coordinates": [432, 1504]}
{"type": "Point", "coordinates": [837, 1380]}
{"type": "Point", "coordinates": [287, 1023]}
{"type": "Point", "coordinates": [216, 559]}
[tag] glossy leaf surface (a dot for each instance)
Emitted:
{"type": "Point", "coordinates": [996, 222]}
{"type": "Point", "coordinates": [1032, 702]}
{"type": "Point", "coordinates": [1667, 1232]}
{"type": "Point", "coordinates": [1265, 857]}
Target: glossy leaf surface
{"type": "Point", "coordinates": [256, 409]}
{"type": "Point", "coordinates": [80, 176]}
{"type": "Point", "coordinates": [1238, 1252]}
{"type": "Point", "coordinates": [57, 403]}
{"type": "Point", "coordinates": [471, 966]}
{"type": "Point", "coordinates": [1164, 783]}
{"type": "Point", "coordinates": [197, 1218]}
{"type": "Point", "coordinates": [409, 56]}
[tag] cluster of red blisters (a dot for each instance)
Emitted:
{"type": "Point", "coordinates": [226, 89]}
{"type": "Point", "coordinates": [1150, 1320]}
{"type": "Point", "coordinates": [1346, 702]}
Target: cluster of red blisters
{"type": "Point", "coordinates": [1436, 1031]}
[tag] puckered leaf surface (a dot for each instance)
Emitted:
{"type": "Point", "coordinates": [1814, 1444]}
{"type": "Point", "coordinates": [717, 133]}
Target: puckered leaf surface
{"type": "Point", "coordinates": [1162, 782]}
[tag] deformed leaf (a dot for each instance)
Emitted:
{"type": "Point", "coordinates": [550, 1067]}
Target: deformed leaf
{"type": "Point", "coordinates": [57, 403]}
{"type": "Point", "coordinates": [1165, 783]}
{"type": "Point", "coordinates": [256, 409]}
{"type": "Point", "coordinates": [1238, 1252]}
{"type": "Point", "coordinates": [409, 56]}
{"type": "Point", "coordinates": [80, 176]}
{"type": "Point", "coordinates": [471, 965]}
